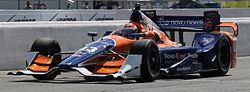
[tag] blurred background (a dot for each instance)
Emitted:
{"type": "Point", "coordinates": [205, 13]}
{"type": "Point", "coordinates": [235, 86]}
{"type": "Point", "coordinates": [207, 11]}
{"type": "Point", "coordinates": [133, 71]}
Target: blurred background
{"type": "Point", "coordinates": [121, 4]}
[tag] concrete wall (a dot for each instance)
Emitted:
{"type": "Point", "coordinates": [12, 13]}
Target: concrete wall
{"type": "Point", "coordinates": [56, 15]}
{"type": "Point", "coordinates": [123, 14]}
{"type": "Point", "coordinates": [49, 4]}
{"type": "Point", "coordinates": [17, 38]}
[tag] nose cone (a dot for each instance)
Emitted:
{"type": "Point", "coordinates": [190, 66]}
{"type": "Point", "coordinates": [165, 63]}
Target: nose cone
{"type": "Point", "coordinates": [65, 65]}
{"type": "Point", "coordinates": [87, 52]}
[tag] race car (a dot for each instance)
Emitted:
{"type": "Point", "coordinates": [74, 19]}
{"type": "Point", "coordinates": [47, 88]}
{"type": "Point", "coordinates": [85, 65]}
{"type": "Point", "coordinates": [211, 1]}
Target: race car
{"type": "Point", "coordinates": [142, 50]}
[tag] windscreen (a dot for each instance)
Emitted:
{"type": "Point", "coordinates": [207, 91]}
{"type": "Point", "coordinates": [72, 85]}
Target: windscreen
{"type": "Point", "coordinates": [138, 16]}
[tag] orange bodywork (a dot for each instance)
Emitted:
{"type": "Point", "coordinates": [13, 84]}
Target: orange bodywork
{"type": "Point", "coordinates": [232, 25]}
{"type": "Point", "coordinates": [232, 39]}
{"type": "Point", "coordinates": [38, 68]}
{"type": "Point", "coordinates": [113, 63]}
{"type": "Point", "coordinates": [40, 63]}
{"type": "Point", "coordinates": [122, 44]}
{"type": "Point", "coordinates": [41, 59]}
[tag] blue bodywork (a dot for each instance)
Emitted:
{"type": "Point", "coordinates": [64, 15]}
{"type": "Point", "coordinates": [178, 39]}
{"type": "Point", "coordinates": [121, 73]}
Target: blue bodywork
{"type": "Point", "coordinates": [180, 21]}
{"type": "Point", "coordinates": [205, 41]}
{"type": "Point", "coordinates": [176, 60]}
{"type": "Point", "coordinates": [203, 52]}
{"type": "Point", "coordinates": [179, 60]}
{"type": "Point", "coordinates": [194, 5]}
{"type": "Point", "coordinates": [172, 55]}
{"type": "Point", "coordinates": [206, 45]}
{"type": "Point", "coordinates": [87, 52]}
{"type": "Point", "coordinates": [185, 60]}
{"type": "Point", "coordinates": [107, 33]}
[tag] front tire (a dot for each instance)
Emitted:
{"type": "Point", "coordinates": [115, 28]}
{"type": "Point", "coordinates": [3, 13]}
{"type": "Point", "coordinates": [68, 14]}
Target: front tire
{"type": "Point", "coordinates": [150, 66]}
{"type": "Point", "coordinates": [47, 46]}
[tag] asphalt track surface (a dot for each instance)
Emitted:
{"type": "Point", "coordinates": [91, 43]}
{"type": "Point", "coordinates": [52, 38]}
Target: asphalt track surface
{"type": "Point", "coordinates": [237, 80]}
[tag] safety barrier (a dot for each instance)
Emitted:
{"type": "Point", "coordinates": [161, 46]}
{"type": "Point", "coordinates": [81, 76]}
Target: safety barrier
{"type": "Point", "coordinates": [99, 15]}
{"type": "Point", "coordinates": [56, 15]}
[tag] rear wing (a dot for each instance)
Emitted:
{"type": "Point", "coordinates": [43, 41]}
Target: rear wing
{"type": "Point", "coordinates": [180, 22]}
{"type": "Point", "coordinates": [210, 21]}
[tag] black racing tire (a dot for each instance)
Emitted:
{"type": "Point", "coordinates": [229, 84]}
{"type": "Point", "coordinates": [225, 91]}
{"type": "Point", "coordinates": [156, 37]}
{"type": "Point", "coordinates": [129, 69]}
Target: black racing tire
{"type": "Point", "coordinates": [223, 58]}
{"type": "Point", "coordinates": [47, 46]}
{"type": "Point", "coordinates": [151, 63]}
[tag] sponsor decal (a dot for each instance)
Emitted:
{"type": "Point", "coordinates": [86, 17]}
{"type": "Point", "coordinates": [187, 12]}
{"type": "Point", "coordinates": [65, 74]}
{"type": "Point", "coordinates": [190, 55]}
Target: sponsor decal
{"type": "Point", "coordinates": [179, 55]}
{"type": "Point", "coordinates": [24, 19]}
{"type": "Point", "coordinates": [174, 56]}
{"type": "Point", "coordinates": [19, 20]}
{"type": "Point", "coordinates": [66, 19]}
{"type": "Point", "coordinates": [86, 50]}
{"type": "Point", "coordinates": [183, 68]}
{"type": "Point", "coordinates": [181, 22]}
{"type": "Point", "coordinates": [102, 19]}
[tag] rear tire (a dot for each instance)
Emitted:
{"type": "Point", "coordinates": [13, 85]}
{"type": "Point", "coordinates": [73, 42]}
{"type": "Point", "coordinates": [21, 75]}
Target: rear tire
{"type": "Point", "coordinates": [223, 58]}
{"type": "Point", "coordinates": [150, 66]}
{"type": "Point", "coordinates": [47, 46]}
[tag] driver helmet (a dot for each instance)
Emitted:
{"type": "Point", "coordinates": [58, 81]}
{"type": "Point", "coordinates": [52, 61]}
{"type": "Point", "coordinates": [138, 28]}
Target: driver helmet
{"type": "Point", "coordinates": [128, 29]}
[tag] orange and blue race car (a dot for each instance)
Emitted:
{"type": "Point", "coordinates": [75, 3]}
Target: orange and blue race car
{"type": "Point", "coordinates": [142, 50]}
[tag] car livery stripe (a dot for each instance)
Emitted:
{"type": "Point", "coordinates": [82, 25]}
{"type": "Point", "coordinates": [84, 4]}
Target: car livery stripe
{"type": "Point", "coordinates": [88, 52]}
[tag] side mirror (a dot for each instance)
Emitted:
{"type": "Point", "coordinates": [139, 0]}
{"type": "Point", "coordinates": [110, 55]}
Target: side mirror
{"type": "Point", "coordinates": [92, 34]}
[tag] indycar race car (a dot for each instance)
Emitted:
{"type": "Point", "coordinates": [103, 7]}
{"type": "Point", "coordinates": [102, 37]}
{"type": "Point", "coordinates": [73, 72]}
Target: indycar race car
{"type": "Point", "coordinates": [142, 50]}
